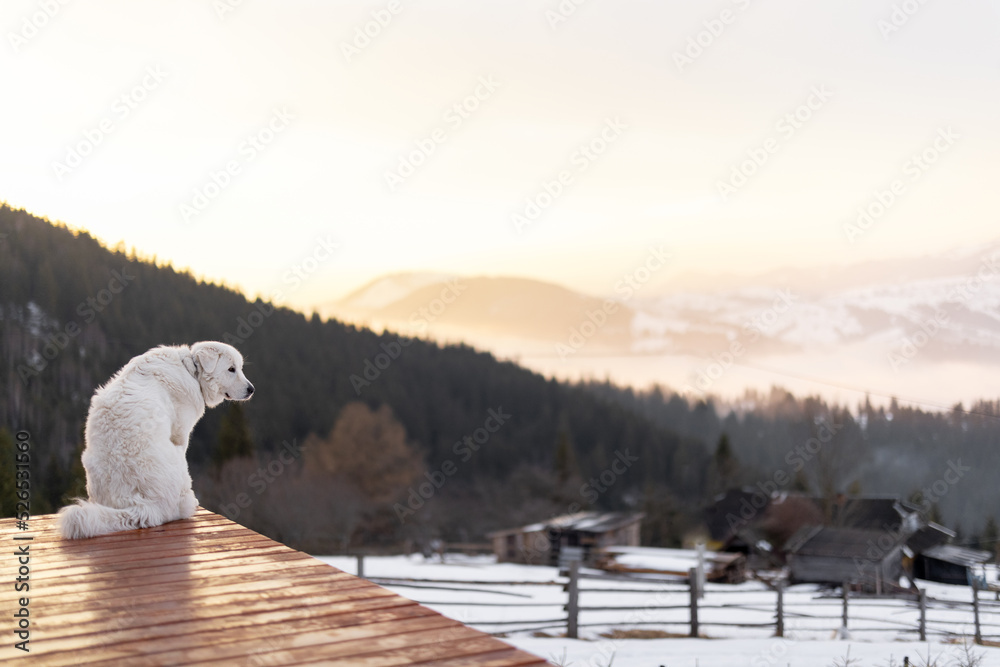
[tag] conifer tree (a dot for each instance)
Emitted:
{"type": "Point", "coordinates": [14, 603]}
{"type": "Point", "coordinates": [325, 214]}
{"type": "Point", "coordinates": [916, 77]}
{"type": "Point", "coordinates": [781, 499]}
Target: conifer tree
{"type": "Point", "coordinates": [8, 485]}
{"type": "Point", "coordinates": [235, 440]}
{"type": "Point", "coordinates": [565, 459]}
{"type": "Point", "coordinates": [724, 466]}
{"type": "Point", "coordinates": [76, 485]}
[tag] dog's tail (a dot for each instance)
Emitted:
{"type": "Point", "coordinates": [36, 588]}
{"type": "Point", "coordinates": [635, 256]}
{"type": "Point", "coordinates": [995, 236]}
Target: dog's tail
{"type": "Point", "coordinates": [87, 519]}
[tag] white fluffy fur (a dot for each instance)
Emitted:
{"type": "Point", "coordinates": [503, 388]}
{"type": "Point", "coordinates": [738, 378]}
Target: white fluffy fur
{"type": "Point", "coordinates": [137, 437]}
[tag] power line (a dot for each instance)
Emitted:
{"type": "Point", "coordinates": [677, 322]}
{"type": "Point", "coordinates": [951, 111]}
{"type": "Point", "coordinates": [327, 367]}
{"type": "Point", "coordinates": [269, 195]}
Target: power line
{"type": "Point", "coordinates": [815, 380]}
{"type": "Point", "coordinates": [914, 401]}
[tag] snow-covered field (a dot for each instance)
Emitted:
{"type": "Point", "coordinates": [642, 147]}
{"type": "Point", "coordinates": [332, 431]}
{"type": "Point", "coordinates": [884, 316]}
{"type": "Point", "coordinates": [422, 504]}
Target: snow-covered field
{"type": "Point", "coordinates": [877, 628]}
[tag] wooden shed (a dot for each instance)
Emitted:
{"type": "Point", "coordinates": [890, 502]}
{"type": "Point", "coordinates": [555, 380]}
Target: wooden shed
{"type": "Point", "coordinates": [548, 542]}
{"type": "Point", "coordinates": [824, 555]}
{"type": "Point", "coordinates": [949, 564]}
{"type": "Point", "coordinates": [720, 566]}
{"type": "Point", "coordinates": [207, 590]}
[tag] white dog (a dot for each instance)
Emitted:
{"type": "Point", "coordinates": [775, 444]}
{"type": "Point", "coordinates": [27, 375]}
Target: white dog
{"type": "Point", "coordinates": [137, 437]}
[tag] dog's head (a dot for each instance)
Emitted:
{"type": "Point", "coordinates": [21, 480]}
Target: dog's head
{"type": "Point", "coordinates": [219, 369]}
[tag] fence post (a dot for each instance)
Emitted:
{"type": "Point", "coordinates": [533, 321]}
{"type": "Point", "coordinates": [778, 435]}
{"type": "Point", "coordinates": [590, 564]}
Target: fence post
{"type": "Point", "coordinates": [361, 566]}
{"type": "Point", "coordinates": [780, 588]}
{"type": "Point", "coordinates": [922, 601]}
{"type": "Point", "coordinates": [846, 589]}
{"type": "Point", "coordinates": [975, 611]}
{"type": "Point", "coordinates": [693, 577]}
{"type": "Point", "coordinates": [573, 603]}
{"type": "Point", "coordinates": [701, 570]}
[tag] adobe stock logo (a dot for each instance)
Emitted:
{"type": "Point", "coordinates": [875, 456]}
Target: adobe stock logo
{"type": "Point", "coordinates": [712, 30]}
{"type": "Point", "coordinates": [627, 287]}
{"type": "Point", "coordinates": [218, 180]}
{"type": "Point", "coordinates": [464, 448]}
{"type": "Point", "coordinates": [454, 116]}
{"type": "Point", "coordinates": [752, 329]}
{"type": "Point", "coordinates": [122, 107]}
{"type": "Point", "coordinates": [370, 30]}
{"type": "Point", "coordinates": [882, 200]}
{"type": "Point", "coordinates": [374, 366]}
{"type": "Point", "coordinates": [31, 25]}
{"type": "Point", "coordinates": [785, 129]}
{"type": "Point", "coordinates": [900, 16]}
{"type": "Point", "coordinates": [585, 155]}
{"type": "Point", "coordinates": [88, 309]}
{"type": "Point", "coordinates": [909, 346]}
{"type": "Point", "coordinates": [263, 477]}
{"type": "Point", "coordinates": [592, 488]}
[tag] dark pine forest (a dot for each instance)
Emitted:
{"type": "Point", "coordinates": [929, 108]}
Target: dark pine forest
{"type": "Point", "coordinates": [442, 442]}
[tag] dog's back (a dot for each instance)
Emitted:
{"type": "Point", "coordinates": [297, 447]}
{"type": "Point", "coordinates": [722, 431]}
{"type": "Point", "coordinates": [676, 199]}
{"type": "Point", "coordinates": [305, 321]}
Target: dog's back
{"type": "Point", "coordinates": [137, 433]}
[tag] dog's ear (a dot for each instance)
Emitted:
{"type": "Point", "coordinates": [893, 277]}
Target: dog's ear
{"type": "Point", "coordinates": [208, 357]}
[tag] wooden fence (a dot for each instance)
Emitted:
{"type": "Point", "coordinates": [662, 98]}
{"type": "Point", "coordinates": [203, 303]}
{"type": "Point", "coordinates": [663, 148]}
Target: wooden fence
{"type": "Point", "coordinates": [935, 617]}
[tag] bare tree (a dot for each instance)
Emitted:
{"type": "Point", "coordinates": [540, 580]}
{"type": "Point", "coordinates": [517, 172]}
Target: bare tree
{"type": "Point", "coordinates": [368, 447]}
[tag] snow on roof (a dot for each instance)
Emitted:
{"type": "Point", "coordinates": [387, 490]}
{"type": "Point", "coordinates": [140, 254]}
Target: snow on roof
{"type": "Point", "coordinates": [590, 522]}
{"type": "Point", "coordinates": [667, 560]}
{"type": "Point", "coordinates": [949, 553]}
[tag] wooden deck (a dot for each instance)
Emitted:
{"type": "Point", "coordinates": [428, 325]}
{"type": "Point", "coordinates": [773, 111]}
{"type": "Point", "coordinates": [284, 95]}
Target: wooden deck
{"type": "Point", "coordinates": [209, 591]}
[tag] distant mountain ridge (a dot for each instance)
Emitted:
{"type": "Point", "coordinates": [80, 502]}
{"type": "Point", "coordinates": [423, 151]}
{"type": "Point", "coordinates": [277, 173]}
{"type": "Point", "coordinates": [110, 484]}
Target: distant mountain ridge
{"type": "Point", "coordinates": [478, 308]}
{"type": "Point", "coordinates": [877, 303]}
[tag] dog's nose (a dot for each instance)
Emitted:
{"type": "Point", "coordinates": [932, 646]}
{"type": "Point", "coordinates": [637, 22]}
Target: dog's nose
{"type": "Point", "coordinates": [249, 390]}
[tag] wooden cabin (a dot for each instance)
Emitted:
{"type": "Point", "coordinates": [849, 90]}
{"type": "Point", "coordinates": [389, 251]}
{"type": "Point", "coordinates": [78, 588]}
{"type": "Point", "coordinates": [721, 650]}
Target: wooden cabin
{"type": "Point", "coordinates": [566, 537]}
{"type": "Point", "coordinates": [949, 564]}
{"type": "Point", "coordinates": [872, 559]}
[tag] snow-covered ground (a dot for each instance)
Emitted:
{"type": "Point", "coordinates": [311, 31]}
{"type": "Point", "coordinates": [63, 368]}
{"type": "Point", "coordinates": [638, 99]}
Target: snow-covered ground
{"type": "Point", "coordinates": [877, 628]}
{"type": "Point", "coordinates": [745, 652]}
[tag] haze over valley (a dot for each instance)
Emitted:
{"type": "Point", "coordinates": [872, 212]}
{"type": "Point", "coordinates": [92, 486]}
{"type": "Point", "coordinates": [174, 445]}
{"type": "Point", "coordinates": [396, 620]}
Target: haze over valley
{"type": "Point", "coordinates": [925, 329]}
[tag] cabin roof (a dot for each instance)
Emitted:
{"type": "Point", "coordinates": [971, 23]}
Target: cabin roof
{"type": "Point", "coordinates": [931, 535]}
{"type": "Point", "coordinates": [950, 553]}
{"type": "Point", "coordinates": [850, 543]}
{"type": "Point", "coordinates": [587, 522]}
{"type": "Point", "coordinates": [208, 589]}
{"type": "Point", "coordinates": [883, 513]}
{"type": "Point", "coordinates": [736, 510]}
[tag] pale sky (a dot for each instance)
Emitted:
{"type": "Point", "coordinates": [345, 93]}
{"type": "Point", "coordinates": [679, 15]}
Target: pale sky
{"type": "Point", "coordinates": [197, 85]}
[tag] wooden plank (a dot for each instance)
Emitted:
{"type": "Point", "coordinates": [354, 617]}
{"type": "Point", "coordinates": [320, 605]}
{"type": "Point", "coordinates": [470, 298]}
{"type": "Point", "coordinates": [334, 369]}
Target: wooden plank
{"type": "Point", "coordinates": [48, 563]}
{"type": "Point", "coordinates": [153, 536]}
{"type": "Point", "coordinates": [171, 611]}
{"type": "Point", "coordinates": [268, 647]}
{"type": "Point", "coordinates": [208, 591]}
{"type": "Point", "coordinates": [144, 553]}
{"type": "Point", "coordinates": [202, 562]}
{"type": "Point", "coordinates": [233, 571]}
{"type": "Point", "coordinates": [110, 566]}
{"type": "Point", "coordinates": [263, 584]}
{"type": "Point", "coordinates": [127, 644]}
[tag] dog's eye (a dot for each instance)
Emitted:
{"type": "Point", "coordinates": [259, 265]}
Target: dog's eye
{"type": "Point", "coordinates": [232, 369]}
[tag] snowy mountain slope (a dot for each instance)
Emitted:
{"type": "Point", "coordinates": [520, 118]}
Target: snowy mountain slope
{"type": "Point", "coordinates": [481, 309]}
{"type": "Point", "coordinates": [923, 328]}
{"type": "Point", "coordinates": [960, 313]}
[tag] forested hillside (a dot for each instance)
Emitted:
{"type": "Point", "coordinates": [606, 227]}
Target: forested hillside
{"type": "Point", "coordinates": [357, 439]}
{"type": "Point", "coordinates": [829, 449]}
{"type": "Point", "coordinates": [73, 312]}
